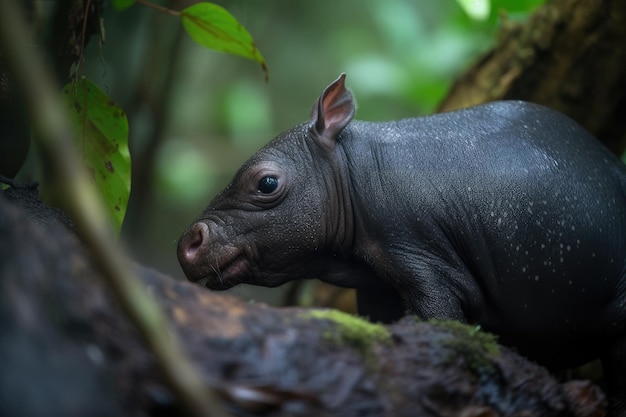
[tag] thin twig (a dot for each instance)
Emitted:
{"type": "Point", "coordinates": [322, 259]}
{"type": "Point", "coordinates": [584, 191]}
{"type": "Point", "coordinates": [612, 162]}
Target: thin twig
{"type": "Point", "coordinates": [81, 57]}
{"type": "Point", "coordinates": [159, 7]}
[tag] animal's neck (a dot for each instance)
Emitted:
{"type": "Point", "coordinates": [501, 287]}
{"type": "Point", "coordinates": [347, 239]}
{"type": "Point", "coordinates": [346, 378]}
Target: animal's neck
{"type": "Point", "coordinates": [340, 230]}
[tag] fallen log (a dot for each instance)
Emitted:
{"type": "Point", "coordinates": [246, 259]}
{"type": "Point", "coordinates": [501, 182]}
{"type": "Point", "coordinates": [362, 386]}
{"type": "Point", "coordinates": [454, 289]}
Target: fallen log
{"type": "Point", "coordinates": [69, 350]}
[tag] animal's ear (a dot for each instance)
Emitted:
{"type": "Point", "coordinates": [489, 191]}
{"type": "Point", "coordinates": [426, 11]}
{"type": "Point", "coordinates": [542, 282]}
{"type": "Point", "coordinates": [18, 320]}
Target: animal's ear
{"type": "Point", "coordinates": [332, 112]}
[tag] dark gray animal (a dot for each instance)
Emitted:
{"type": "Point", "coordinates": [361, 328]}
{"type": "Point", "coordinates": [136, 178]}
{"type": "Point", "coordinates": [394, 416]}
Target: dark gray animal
{"type": "Point", "coordinates": [508, 215]}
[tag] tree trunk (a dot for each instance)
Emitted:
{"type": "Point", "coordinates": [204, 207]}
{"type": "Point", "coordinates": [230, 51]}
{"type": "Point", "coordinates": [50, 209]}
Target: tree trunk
{"type": "Point", "coordinates": [569, 55]}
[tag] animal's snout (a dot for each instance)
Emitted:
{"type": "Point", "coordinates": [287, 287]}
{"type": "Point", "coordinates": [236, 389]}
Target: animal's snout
{"type": "Point", "coordinates": [193, 240]}
{"type": "Point", "coordinates": [190, 247]}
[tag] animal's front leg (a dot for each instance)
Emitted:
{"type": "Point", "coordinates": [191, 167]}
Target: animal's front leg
{"type": "Point", "coordinates": [381, 303]}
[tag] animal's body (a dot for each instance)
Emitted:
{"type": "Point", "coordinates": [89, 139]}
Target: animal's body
{"type": "Point", "coordinates": [509, 215]}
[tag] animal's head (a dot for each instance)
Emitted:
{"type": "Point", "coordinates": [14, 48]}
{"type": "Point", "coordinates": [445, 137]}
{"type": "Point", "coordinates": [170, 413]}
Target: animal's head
{"type": "Point", "coordinates": [283, 216]}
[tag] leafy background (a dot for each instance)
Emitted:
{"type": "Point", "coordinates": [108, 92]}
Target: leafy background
{"type": "Point", "coordinates": [195, 115]}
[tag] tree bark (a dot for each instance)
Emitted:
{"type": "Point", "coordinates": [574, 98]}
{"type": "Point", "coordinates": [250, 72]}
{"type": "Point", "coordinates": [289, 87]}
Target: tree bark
{"type": "Point", "coordinates": [570, 55]}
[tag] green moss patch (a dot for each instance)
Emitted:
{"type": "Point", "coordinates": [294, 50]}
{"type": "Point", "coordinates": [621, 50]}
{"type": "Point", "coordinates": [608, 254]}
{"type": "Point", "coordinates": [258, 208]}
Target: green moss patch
{"type": "Point", "coordinates": [352, 331]}
{"type": "Point", "coordinates": [469, 342]}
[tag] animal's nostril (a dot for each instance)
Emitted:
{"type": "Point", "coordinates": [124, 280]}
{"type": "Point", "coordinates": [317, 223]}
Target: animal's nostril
{"type": "Point", "coordinates": [193, 241]}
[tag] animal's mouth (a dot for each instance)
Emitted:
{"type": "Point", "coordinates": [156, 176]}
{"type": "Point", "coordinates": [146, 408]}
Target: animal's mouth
{"type": "Point", "coordinates": [226, 273]}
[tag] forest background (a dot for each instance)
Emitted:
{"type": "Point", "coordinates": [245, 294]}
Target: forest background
{"type": "Point", "coordinates": [195, 115]}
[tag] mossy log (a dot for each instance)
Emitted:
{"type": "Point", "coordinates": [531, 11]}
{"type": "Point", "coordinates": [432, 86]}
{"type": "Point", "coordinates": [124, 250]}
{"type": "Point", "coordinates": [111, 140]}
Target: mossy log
{"type": "Point", "coordinates": [69, 350]}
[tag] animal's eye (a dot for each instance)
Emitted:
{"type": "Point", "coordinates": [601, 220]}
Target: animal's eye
{"type": "Point", "coordinates": [267, 185]}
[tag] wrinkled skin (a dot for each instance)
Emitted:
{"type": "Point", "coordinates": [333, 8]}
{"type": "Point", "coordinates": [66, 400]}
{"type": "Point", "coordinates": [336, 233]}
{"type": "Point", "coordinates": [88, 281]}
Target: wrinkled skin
{"type": "Point", "coordinates": [508, 215]}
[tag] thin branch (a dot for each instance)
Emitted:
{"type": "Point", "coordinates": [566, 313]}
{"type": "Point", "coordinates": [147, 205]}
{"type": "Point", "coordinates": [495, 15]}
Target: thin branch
{"type": "Point", "coordinates": [53, 134]}
{"type": "Point", "coordinates": [159, 7]}
{"type": "Point", "coordinates": [81, 56]}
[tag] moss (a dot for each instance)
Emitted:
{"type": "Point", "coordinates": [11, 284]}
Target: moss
{"type": "Point", "coordinates": [352, 331]}
{"type": "Point", "coordinates": [469, 342]}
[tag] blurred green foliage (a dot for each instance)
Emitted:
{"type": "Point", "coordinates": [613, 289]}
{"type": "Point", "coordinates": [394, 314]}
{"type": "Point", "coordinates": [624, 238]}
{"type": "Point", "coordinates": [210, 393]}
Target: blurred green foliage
{"type": "Point", "coordinates": [400, 58]}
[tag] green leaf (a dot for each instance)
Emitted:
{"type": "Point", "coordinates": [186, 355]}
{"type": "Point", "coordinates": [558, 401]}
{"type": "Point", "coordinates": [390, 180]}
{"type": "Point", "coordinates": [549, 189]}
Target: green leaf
{"type": "Point", "coordinates": [213, 26]}
{"type": "Point", "coordinates": [121, 5]}
{"type": "Point", "coordinates": [476, 9]}
{"type": "Point", "coordinates": [101, 129]}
